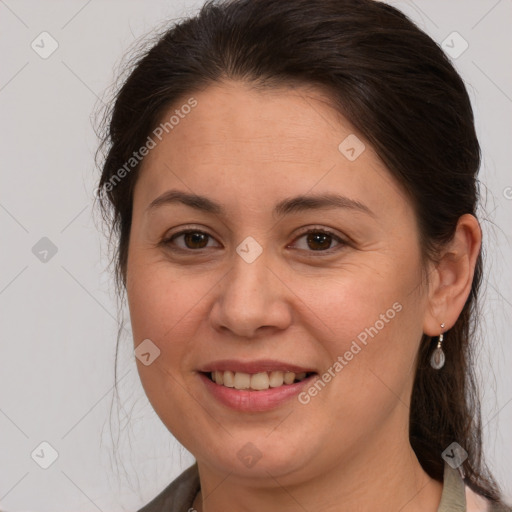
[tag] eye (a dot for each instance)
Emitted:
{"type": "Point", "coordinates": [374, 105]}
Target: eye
{"type": "Point", "coordinates": [192, 238]}
{"type": "Point", "coordinates": [319, 240]}
{"type": "Point", "coordinates": [316, 240]}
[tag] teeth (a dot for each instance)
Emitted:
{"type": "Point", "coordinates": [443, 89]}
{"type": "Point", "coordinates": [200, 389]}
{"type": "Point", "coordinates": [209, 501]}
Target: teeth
{"type": "Point", "coordinates": [228, 377]}
{"type": "Point", "coordinates": [256, 381]}
{"type": "Point", "coordinates": [259, 381]}
{"type": "Point", "coordinates": [242, 380]}
{"type": "Point", "coordinates": [289, 377]}
{"type": "Point", "coordinates": [276, 379]}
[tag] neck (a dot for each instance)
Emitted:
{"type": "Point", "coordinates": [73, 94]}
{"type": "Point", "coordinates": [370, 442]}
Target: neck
{"type": "Point", "coordinates": [385, 476]}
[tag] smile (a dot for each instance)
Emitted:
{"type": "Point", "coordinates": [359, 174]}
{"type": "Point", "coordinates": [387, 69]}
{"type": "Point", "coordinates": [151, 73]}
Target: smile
{"type": "Point", "coordinates": [257, 381]}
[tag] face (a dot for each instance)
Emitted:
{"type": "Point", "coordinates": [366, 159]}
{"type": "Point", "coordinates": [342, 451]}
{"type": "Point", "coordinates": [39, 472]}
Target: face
{"type": "Point", "coordinates": [251, 280]}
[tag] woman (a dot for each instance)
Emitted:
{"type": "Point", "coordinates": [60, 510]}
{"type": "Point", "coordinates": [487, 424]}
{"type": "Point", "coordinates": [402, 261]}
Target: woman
{"type": "Point", "coordinates": [293, 189]}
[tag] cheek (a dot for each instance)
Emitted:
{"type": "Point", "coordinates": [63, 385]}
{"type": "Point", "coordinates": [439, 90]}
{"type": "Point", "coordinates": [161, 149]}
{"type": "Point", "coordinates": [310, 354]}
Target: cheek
{"type": "Point", "coordinates": [166, 305]}
{"type": "Point", "coordinates": [163, 310]}
{"type": "Point", "coordinates": [370, 316]}
{"type": "Point", "coordinates": [156, 296]}
{"type": "Point", "coordinates": [359, 297]}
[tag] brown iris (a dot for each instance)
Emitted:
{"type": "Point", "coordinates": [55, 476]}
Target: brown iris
{"type": "Point", "coordinates": [191, 239]}
{"type": "Point", "coordinates": [319, 238]}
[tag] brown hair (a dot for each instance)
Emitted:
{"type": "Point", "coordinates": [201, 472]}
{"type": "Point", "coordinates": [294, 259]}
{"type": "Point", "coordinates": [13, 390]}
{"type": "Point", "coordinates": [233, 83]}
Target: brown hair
{"type": "Point", "coordinates": [398, 89]}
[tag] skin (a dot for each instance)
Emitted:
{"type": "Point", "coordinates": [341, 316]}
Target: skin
{"type": "Point", "coordinates": [348, 447]}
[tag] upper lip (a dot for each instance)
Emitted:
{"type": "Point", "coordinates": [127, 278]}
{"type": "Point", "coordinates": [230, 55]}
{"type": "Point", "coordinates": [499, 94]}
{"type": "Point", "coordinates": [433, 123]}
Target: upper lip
{"type": "Point", "coordinates": [255, 366]}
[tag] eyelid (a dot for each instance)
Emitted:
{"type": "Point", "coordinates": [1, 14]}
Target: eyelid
{"type": "Point", "coordinates": [166, 241]}
{"type": "Point", "coordinates": [320, 229]}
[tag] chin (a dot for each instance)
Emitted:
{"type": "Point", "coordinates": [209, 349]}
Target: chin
{"type": "Point", "coordinates": [258, 460]}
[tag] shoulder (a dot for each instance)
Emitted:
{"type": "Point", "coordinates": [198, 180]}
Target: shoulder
{"type": "Point", "coordinates": [500, 508]}
{"type": "Point", "coordinates": [477, 503]}
{"type": "Point", "coordinates": [178, 495]}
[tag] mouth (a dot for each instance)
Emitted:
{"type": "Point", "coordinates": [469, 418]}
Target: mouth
{"type": "Point", "coordinates": [259, 381]}
{"type": "Point", "coordinates": [254, 386]}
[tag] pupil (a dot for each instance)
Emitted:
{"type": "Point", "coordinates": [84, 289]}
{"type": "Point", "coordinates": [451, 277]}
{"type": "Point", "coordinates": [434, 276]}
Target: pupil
{"type": "Point", "coordinates": [313, 238]}
{"type": "Point", "coordinates": [319, 237]}
{"type": "Point", "coordinates": [195, 238]}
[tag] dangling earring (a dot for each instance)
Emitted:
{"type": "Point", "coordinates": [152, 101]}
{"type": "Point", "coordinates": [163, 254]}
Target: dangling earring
{"type": "Point", "coordinates": [438, 358]}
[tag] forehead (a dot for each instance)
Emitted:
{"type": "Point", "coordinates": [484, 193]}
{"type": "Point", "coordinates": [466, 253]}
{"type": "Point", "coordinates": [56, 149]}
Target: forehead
{"type": "Point", "coordinates": [234, 117]}
{"type": "Point", "coordinates": [261, 143]}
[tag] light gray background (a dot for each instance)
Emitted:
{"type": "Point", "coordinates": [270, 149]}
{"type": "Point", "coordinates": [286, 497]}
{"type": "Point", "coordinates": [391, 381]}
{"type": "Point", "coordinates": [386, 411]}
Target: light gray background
{"type": "Point", "coordinates": [58, 318]}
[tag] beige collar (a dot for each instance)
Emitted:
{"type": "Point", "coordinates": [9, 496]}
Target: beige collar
{"type": "Point", "coordinates": [458, 497]}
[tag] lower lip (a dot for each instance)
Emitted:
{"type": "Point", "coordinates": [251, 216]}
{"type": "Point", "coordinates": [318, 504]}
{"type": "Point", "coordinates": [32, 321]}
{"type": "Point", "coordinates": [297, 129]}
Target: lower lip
{"type": "Point", "coordinates": [254, 401]}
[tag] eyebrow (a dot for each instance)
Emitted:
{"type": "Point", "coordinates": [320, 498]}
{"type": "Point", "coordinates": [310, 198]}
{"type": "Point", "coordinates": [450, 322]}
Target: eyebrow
{"type": "Point", "coordinates": [285, 207]}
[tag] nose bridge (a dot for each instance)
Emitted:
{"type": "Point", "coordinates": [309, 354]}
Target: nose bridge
{"type": "Point", "coordinates": [250, 296]}
{"type": "Point", "coordinates": [248, 281]}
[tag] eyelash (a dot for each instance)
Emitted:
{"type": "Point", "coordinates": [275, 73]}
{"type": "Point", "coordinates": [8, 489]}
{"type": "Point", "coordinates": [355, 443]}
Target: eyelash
{"type": "Point", "coordinates": [341, 243]}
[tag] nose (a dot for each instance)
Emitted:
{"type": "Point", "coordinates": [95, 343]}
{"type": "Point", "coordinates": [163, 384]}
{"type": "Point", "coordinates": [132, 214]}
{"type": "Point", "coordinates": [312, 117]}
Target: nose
{"type": "Point", "coordinates": [252, 300]}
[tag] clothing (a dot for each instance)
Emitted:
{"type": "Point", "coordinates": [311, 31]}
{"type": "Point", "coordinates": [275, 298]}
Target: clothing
{"type": "Point", "coordinates": [179, 495]}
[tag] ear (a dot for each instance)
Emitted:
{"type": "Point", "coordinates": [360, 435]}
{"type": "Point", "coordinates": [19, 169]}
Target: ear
{"type": "Point", "coordinates": [451, 279]}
